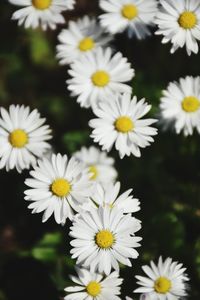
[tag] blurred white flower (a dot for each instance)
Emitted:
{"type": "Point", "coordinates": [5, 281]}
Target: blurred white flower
{"type": "Point", "coordinates": [133, 15]}
{"type": "Point", "coordinates": [180, 105]}
{"type": "Point", "coordinates": [44, 13]}
{"type": "Point", "coordinates": [99, 165]}
{"type": "Point", "coordinates": [83, 36]}
{"type": "Point", "coordinates": [179, 23]}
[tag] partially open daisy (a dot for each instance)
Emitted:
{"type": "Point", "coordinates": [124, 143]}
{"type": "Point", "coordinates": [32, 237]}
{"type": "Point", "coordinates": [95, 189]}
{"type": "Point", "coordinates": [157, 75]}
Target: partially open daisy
{"type": "Point", "coordinates": [23, 137]}
{"type": "Point", "coordinates": [44, 13]}
{"type": "Point", "coordinates": [99, 165]}
{"type": "Point", "coordinates": [133, 15]}
{"type": "Point", "coordinates": [109, 197]}
{"type": "Point", "coordinates": [99, 75]}
{"type": "Point", "coordinates": [180, 105]}
{"type": "Point", "coordinates": [94, 286]}
{"type": "Point", "coordinates": [58, 186]}
{"type": "Point", "coordinates": [84, 35]}
{"type": "Point", "coordinates": [166, 281]}
{"type": "Point", "coordinates": [119, 123]}
{"type": "Point", "coordinates": [103, 238]}
{"type": "Point", "coordinates": [179, 22]}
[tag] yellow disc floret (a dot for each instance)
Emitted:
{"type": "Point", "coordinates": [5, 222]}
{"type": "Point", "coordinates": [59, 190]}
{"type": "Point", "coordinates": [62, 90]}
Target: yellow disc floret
{"type": "Point", "coordinates": [190, 104]}
{"type": "Point", "coordinates": [93, 170]}
{"type": "Point", "coordinates": [104, 239]}
{"type": "Point", "coordinates": [86, 44]}
{"type": "Point", "coordinates": [93, 288]}
{"type": "Point", "coordinates": [41, 4]}
{"type": "Point", "coordinates": [129, 11]}
{"type": "Point", "coordinates": [162, 285]}
{"type": "Point", "coordinates": [124, 124]}
{"type": "Point", "coordinates": [100, 78]}
{"type": "Point", "coordinates": [187, 20]}
{"type": "Point", "coordinates": [18, 138]}
{"type": "Point", "coordinates": [60, 187]}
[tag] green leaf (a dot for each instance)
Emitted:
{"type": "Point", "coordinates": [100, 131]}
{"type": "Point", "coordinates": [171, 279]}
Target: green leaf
{"type": "Point", "coordinates": [44, 253]}
{"type": "Point", "coordinates": [40, 49]}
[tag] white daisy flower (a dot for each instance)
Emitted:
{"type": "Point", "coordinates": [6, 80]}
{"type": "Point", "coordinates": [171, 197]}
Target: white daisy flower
{"type": "Point", "coordinates": [133, 15]}
{"type": "Point", "coordinates": [166, 281]}
{"type": "Point", "coordinates": [180, 105]}
{"type": "Point", "coordinates": [110, 197]}
{"type": "Point", "coordinates": [58, 186]}
{"type": "Point", "coordinates": [23, 137]}
{"type": "Point", "coordinates": [94, 286]}
{"type": "Point", "coordinates": [84, 35]}
{"type": "Point", "coordinates": [99, 165]}
{"type": "Point", "coordinates": [44, 13]}
{"type": "Point", "coordinates": [103, 238]}
{"type": "Point", "coordinates": [99, 75]}
{"type": "Point", "coordinates": [179, 22]}
{"type": "Point", "coordinates": [118, 123]}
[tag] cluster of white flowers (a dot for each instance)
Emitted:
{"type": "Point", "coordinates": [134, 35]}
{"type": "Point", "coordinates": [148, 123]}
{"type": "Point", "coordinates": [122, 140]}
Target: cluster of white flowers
{"type": "Point", "coordinates": [177, 21]}
{"type": "Point", "coordinates": [83, 188]}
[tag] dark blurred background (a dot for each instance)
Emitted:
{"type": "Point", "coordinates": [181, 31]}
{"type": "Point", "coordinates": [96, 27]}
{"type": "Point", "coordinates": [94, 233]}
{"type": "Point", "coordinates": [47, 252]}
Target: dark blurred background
{"type": "Point", "coordinates": [34, 257]}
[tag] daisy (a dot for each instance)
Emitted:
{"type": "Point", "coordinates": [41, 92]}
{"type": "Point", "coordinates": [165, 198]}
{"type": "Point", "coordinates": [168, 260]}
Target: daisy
{"type": "Point", "coordinates": [179, 22]}
{"type": "Point", "coordinates": [180, 105]}
{"type": "Point", "coordinates": [110, 197]}
{"type": "Point", "coordinates": [99, 75]}
{"type": "Point", "coordinates": [166, 281]}
{"type": "Point", "coordinates": [58, 186]}
{"type": "Point", "coordinates": [119, 123]}
{"type": "Point", "coordinates": [82, 36]}
{"type": "Point", "coordinates": [133, 15]}
{"type": "Point", "coordinates": [94, 286]}
{"type": "Point", "coordinates": [103, 238]}
{"type": "Point", "coordinates": [99, 165]}
{"type": "Point", "coordinates": [44, 13]}
{"type": "Point", "coordinates": [23, 137]}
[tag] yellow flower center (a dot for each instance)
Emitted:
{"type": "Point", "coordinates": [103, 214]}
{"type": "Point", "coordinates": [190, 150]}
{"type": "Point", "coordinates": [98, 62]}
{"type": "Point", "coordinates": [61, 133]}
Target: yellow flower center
{"type": "Point", "coordinates": [162, 285]}
{"type": "Point", "coordinates": [124, 124]}
{"type": "Point", "coordinates": [104, 239]}
{"type": "Point", "coordinates": [18, 138]}
{"type": "Point", "coordinates": [93, 170]}
{"type": "Point", "coordinates": [110, 205]}
{"type": "Point", "coordinates": [93, 288]}
{"type": "Point", "coordinates": [129, 11]}
{"type": "Point", "coordinates": [41, 4]}
{"type": "Point", "coordinates": [86, 44]}
{"type": "Point", "coordinates": [187, 20]}
{"type": "Point", "coordinates": [100, 78]}
{"type": "Point", "coordinates": [190, 104]}
{"type": "Point", "coordinates": [60, 187]}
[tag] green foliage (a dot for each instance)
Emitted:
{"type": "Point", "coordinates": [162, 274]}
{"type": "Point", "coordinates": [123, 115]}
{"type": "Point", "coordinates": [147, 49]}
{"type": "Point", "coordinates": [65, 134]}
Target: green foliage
{"type": "Point", "coordinates": [40, 50]}
{"type": "Point", "coordinates": [74, 140]}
